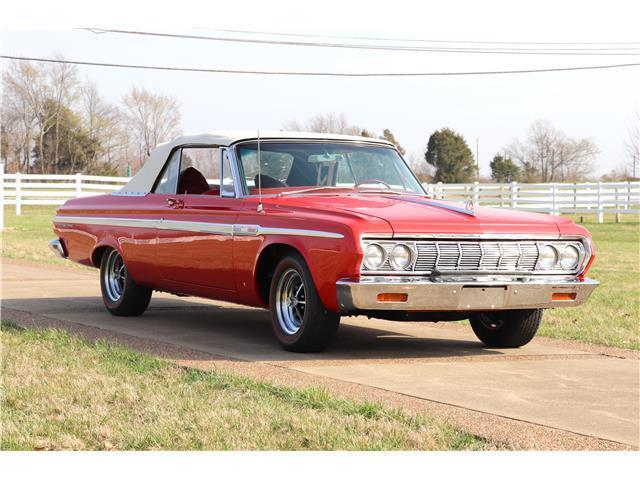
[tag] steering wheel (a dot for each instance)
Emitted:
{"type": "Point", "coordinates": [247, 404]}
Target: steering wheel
{"type": "Point", "coordinates": [372, 180]}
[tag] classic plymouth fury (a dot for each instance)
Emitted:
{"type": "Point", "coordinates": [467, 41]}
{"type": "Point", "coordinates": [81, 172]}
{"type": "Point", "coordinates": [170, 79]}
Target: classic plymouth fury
{"type": "Point", "coordinates": [315, 227]}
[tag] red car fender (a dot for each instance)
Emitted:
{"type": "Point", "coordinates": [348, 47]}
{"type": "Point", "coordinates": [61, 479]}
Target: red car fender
{"type": "Point", "coordinates": [103, 244]}
{"type": "Point", "coordinates": [327, 260]}
{"type": "Point", "coordinates": [568, 228]}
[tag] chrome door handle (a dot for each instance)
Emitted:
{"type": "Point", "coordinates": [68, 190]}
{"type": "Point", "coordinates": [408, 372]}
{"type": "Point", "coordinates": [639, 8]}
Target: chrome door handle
{"type": "Point", "coordinates": [175, 203]}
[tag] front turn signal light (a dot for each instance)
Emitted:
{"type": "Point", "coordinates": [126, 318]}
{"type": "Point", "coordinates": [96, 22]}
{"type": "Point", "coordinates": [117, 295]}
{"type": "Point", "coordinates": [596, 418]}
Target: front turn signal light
{"type": "Point", "coordinates": [563, 296]}
{"type": "Point", "coordinates": [392, 297]}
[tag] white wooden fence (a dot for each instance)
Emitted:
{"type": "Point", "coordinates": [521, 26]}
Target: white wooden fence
{"type": "Point", "coordinates": [598, 198]}
{"type": "Point", "coordinates": [34, 189]}
{"type": "Point", "coordinates": [556, 198]}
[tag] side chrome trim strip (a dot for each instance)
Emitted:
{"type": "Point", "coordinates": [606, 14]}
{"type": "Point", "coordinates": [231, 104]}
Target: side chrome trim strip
{"type": "Point", "coordinates": [295, 231]}
{"type": "Point", "coordinates": [199, 227]}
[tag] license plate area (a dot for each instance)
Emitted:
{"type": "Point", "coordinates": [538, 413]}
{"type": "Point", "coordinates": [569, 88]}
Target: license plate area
{"type": "Point", "coordinates": [481, 298]}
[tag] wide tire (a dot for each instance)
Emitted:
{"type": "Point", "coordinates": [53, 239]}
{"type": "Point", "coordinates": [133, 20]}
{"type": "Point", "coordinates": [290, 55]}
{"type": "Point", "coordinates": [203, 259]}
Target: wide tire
{"type": "Point", "coordinates": [299, 319]}
{"type": "Point", "coordinates": [121, 295]}
{"type": "Point", "coordinates": [506, 329]}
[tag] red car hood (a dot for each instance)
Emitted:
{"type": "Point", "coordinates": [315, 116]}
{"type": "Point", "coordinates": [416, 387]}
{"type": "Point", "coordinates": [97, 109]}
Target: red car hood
{"type": "Point", "coordinates": [410, 215]}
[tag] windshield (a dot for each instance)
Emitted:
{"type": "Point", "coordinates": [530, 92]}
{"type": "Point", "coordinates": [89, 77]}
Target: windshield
{"type": "Point", "coordinates": [300, 166]}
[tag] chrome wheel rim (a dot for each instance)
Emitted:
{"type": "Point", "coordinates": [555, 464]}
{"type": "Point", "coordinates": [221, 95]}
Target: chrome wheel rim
{"type": "Point", "coordinates": [291, 301]}
{"type": "Point", "coordinates": [114, 275]}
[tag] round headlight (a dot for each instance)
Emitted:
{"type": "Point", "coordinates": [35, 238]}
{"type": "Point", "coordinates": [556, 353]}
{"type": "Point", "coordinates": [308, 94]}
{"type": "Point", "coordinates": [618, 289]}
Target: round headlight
{"type": "Point", "coordinates": [548, 257]}
{"type": "Point", "coordinates": [374, 256]}
{"type": "Point", "coordinates": [569, 257]}
{"type": "Point", "coordinates": [400, 257]}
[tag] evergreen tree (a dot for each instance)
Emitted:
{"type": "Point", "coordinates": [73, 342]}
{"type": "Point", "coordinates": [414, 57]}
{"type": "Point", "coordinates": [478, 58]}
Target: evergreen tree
{"type": "Point", "coordinates": [452, 158]}
{"type": "Point", "coordinates": [503, 169]}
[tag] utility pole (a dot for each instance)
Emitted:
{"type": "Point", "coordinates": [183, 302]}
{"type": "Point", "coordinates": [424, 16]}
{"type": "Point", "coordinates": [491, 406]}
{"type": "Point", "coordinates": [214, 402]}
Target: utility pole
{"type": "Point", "coordinates": [477, 158]}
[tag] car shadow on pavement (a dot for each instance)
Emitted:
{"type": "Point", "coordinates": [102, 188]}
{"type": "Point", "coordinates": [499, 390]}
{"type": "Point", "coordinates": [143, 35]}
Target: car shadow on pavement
{"type": "Point", "coordinates": [246, 333]}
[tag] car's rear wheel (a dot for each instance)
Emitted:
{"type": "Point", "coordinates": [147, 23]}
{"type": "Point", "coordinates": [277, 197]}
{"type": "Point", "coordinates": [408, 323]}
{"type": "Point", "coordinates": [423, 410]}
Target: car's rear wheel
{"type": "Point", "coordinates": [299, 319]}
{"type": "Point", "coordinates": [121, 295]}
{"type": "Point", "coordinates": [508, 328]}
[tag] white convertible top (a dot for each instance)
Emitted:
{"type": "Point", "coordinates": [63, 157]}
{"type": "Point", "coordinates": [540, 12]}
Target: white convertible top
{"type": "Point", "coordinates": [142, 182]}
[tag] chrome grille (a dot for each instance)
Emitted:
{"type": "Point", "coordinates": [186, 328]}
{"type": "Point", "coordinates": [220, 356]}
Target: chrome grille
{"type": "Point", "coordinates": [472, 256]}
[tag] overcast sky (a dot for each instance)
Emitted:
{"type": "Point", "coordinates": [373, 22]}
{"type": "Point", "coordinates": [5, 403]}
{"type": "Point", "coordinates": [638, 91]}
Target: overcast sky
{"type": "Point", "coordinates": [495, 109]}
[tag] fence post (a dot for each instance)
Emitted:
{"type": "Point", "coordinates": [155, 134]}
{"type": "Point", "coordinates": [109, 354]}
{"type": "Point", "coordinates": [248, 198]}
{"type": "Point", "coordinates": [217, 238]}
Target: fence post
{"type": "Point", "coordinates": [627, 204]}
{"type": "Point", "coordinates": [18, 185]}
{"type": "Point", "coordinates": [1, 196]}
{"type": "Point", "coordinates": [78, 184]}
{"type": "Point", "coordinates": [476, 193]}
{"type": "Point", "coordinates": [513, 195]}
{"type": "Point", "coordinates": [600, 207]}
{"type": "Point", "coordinates": [439, 190]}
{"type": "Point", "coordinates": [553, 199]}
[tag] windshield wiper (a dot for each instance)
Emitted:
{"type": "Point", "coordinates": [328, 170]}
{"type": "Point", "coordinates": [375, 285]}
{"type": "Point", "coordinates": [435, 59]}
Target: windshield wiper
{"type": "Point", "coordinates": [307, 190]}
{"type": "Point", "coordinates": [387, 192]}
{"type": "Point", "coordinates": [348, 189]}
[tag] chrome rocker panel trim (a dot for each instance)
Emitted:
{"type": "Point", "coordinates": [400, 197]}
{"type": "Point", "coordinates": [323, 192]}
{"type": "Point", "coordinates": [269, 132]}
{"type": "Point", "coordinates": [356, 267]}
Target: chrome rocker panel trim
{"type": "Point", "coordinates": [360, 294]}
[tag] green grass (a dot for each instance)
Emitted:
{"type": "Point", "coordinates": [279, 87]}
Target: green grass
{"type": "Point", "coordinates": [611, 317]}
{"type": "Point", "coordinates": [612, 314]}
{"type": "Point", "coordinates": [26, 237]}
{"type": "Point", "coordinates": [63, 392]}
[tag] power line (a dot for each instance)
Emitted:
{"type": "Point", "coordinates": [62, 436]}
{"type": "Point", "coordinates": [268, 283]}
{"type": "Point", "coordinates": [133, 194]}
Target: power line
{"type": "Point", "coordinates": [317, 74]}
{"type": "Point", "coordinates": [412, 40]}
{"type": "Point", "coordinates": [402, 48]}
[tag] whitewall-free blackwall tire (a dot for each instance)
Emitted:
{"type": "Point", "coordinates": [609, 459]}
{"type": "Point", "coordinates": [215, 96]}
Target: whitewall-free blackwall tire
{"type": "Point", "coordinates": [121, 295]}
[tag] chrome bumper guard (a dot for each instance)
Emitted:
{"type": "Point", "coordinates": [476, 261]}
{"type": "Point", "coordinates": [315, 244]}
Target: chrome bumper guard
{"type": "Point", "coordinates": [422, 294]}
{"type": "Point", "coordinates": [57, 248]}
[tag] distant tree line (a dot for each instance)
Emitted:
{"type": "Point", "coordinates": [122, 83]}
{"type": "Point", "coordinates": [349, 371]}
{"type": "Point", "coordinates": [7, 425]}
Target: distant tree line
{"type": "Point", "coordinates": [52, 122]}
{"type": "Point", "coordinates": [546, 154]}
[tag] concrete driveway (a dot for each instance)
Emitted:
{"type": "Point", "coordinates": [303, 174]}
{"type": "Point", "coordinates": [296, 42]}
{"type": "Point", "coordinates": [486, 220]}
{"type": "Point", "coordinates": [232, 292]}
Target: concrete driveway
{"type": "Point", "coordinates": [563, 388]}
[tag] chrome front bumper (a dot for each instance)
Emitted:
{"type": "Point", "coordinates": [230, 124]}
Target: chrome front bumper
{"type": "Point", "coordinates": [57, 248]}
{"type": "Point", "coordinates": [424, 294]}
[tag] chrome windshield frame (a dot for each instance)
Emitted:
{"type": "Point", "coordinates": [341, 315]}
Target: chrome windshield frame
{"type": "Point", "coordinates": [243, 192]}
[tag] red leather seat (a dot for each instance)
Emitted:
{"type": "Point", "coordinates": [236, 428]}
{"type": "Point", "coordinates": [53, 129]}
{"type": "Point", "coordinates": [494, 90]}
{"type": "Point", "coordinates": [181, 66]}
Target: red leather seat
{"type": "Point", "coordinates": [265, 181]}
{"type": "Point", "coordinates": [192, 182]}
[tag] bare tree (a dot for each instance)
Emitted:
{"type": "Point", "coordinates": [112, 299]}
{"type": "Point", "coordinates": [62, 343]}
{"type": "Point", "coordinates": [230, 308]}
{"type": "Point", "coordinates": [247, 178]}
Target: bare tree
{"type": "Point", "coordinates": [103, 124]}
{"type": "Point", "coordinates": [16, 130]}
{"type": "Point", "coordinates": [62, 80]}
{"type": "Point", "coordinates": [390, 137]}
{"type": "Point", "coordinates": [548, 155]}
{"type": "Point", "coordinates": [23, 98]}
{"type": "Point", "coordinates": [151, 119]}
{"type": "Point", "coordinates": [325, 123]}
{"type": "Point", "coordinates": [34, 97]}
{"type": "Point", "coordinates": [632, 145]}
{"type": "Point", "coordinates": [338, 123]}
{"type": "Point", "coordinates": [422, 169]}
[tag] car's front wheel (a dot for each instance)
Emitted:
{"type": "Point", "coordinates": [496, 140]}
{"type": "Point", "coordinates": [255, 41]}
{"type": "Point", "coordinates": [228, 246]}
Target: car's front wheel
{"type": "Point", "coordinates": [299, 319]}
{"type": "Point", "coordinates": [508, 328]}
{"type": "Point", "coordinates": [120, 293]}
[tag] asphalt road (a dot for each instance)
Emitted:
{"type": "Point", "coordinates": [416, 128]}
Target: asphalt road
{"type": "Point", "coordinates": [563, 388]}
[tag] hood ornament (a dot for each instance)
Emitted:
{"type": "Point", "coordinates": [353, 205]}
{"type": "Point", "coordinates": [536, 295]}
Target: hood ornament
{"type": "Point", "coordinates": [469, 205]}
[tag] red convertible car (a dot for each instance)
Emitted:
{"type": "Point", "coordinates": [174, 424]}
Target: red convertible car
{"type": "Point", "coordinates": [315, 227]}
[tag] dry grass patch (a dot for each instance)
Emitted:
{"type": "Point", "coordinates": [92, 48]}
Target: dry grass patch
{"type": "Point", "coordinates": [62, 392]}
